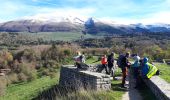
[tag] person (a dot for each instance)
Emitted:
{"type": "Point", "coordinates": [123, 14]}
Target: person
{"type": "Point", "coordinates": [77, 59]}
{"type": "Point", "coordinates": [110, 61]}
{"type": "Point", "coordinates": [148, 69]}
{"type": "Point", "coordinates": [82, 58]}
{"type": "Point", "coordinates": [135, 69]}
{"type": "Point", "coordinates": [125, 64]}
{"type": "Point", "coordinates": [135, 66]}
{"type": "Point", "coordinates": [104, 63]}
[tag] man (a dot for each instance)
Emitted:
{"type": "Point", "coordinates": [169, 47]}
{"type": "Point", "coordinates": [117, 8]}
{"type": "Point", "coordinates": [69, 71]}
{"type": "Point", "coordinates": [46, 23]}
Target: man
{"type": "Point", "coordinates": [148, 70]}
{"type": "Point", "coordinates": [125, 64]}
{"type": "Point", "coordinates": [110, 61]}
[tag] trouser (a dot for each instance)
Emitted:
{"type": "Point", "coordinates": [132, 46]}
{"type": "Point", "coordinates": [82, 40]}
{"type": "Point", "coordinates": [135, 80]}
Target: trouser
{"type": "Point", "coordinates": [124, 75]}
{"type": "Point", "coordinates": [77, 65]}
{"type": "Point", "coordinates": [110, 66]}
{"type": "Point", "coordinates": [135, 72]}
{"type": "Point", "coordinates": [104, 66]}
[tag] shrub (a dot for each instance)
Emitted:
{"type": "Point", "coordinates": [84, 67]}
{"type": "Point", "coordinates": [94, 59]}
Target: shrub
{"type": "Point", "coordinates": [45, 72]}
{"type": "Point", "coordinates": [5, 58]}
{"type": "Point", "coordinates": [28, 70]}
{"type": "Point", "coordinates": [3, 84]}
{"type": "Point", "coordinates": [32, 75]}
{"type": "Point", "coordinates": [67, 52]}
{"type": "Point", "coordinates": [12, 78]}
{"type": "Point", "coordinates": [27, 54]}
{"type": "Point", "coordinates": [22, 77]}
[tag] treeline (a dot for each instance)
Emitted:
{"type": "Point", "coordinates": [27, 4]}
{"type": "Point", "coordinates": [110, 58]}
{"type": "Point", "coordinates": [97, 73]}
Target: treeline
{"type": "Point", "coordinates": [154, 45]}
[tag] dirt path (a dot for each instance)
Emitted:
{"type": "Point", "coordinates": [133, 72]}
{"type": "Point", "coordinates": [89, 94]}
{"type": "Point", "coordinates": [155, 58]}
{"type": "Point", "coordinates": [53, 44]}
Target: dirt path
{"type": "Point", "coordinates": [132, 93]}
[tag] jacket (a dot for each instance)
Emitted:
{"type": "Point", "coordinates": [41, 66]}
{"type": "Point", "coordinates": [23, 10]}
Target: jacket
{"type": "Point", "coordinates": [104, 60]}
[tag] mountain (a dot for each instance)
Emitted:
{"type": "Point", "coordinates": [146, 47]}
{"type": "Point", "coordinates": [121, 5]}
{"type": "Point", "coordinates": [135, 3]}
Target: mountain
{"type": "Point", "coordinates": [40, 26]}
{"type": "Point", "coordinates": [77, 24]}
{"type": "Point", "coordinates": [159, 28]}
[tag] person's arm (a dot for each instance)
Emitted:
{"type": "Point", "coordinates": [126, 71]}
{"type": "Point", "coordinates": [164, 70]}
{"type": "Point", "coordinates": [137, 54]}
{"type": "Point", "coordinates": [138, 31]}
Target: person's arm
{"type": "Point", "coordinates": [128, 64]}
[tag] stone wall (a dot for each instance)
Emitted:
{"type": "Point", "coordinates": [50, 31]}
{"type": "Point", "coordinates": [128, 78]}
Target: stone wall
{"type": "Point", "coordinates": [159, 87]}
{"type": "Point", "coordinates": [72, 77]}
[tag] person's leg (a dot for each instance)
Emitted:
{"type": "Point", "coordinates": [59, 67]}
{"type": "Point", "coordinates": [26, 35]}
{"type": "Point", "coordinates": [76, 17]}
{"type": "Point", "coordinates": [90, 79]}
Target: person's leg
{"type": "Point", "coordinates": [106, 69]}
{"type": "Point", "coordinates": [137, 78]}
{"type": "Point", "coordinates": [103, 66]}
{"type": "Point", "coordinates": [112, 72]}
{"type": "Point", "coordinates": [135, 72]}
{"type": "Point", "coordinates": [123, 77]}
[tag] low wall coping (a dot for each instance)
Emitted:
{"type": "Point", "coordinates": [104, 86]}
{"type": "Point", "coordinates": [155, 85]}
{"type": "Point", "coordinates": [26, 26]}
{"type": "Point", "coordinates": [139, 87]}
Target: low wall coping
{"type": "Point", "coordinates": [159, 87]}
{"type": "Point", "coordinates": [162, 85]}
{"type": "Point", "coordinates": [98, 75]}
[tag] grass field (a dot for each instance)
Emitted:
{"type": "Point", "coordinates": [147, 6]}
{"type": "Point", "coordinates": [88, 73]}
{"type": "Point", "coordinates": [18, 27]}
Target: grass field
{"type": "Point", "coordinates": [164, 71]}
{"type": "Point", "coordinates": [27, 91]}
{"type": "Point", "coordinates": [62, 36]}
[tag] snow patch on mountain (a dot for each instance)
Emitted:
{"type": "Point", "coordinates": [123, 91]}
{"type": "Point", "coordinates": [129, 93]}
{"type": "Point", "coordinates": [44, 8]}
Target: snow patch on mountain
{"type": "Point", "coordinates": [57, 19]}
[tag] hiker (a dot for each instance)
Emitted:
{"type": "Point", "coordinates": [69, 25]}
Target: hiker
{"type": "Point", "coordinates": [124, 64]}
{"type": "Point", "coordinates": [148, 69]}
{"type": "Point", "coordinates": [135, 69]}
{"type": "Point", "coordinates": [77, 60]}
{"type": "Point", "coordinates": [110, 62]}
{"type": "Point", "coordinates": [82, 58]}
{"type": "Point", "coordinates": [104, 63]}
{"type": "Point", "coordinates": [135, 66]}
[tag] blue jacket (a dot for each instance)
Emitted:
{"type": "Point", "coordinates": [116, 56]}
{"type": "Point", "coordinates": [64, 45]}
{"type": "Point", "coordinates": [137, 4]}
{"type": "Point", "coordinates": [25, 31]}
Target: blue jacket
{"type": "Point", "coordinates": [145, 69]}
{"type": "Point", "coordinates": [136, 64]}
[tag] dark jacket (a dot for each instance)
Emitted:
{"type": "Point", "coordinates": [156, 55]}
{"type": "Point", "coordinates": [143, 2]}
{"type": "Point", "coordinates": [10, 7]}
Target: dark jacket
{"type": "Point", "coordinates": [125, 62]}
{"type": "Point", "coordinates": [110, 60]}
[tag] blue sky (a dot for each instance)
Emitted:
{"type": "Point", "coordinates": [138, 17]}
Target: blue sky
{"type": "Point", "coordinates": [123, 11]}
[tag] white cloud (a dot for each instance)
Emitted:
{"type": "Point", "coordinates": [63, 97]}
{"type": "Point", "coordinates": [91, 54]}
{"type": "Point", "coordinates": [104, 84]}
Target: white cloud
{"type": "Point", "coordinates": [159, 17]}
{"type": "Point", "coordinates": [58, 14]}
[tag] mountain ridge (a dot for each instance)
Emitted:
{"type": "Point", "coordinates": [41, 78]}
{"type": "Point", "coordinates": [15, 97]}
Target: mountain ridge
{"type": "Point", "coordinates": [71, 23]}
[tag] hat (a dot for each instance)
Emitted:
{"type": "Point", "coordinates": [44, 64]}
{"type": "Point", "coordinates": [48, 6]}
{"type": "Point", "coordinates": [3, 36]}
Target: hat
{"type": "Point", "coordinates": [145, 59]}
{"type": "Point", "coordinates": [137, 58]}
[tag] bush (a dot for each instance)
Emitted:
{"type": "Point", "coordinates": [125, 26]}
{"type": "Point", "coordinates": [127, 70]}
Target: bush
{"type": "Point", "coordinates": [22, 77]}
{"type": "Point", "coordinates": [3, 84]}
{"type": "Point", "coordinates": [26, 71]}
{"type": "Point", "coordinates": [5, 58]}
{"type": "Point", "coordinates": [27, 54]}
{"type": "Point", "coordinates": [67, 52]}
{"type": "Point", "coordinates": [49, 69]}
{"type": "Point", "coordinates": [12, 78]}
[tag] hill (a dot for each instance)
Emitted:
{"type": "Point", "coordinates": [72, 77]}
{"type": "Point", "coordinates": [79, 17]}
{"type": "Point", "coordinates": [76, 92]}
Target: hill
{"type": "Point", "coordinates": [75, 24]}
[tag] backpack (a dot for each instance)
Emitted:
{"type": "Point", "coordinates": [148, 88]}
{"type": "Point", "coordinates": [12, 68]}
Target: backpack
{"type": "Point", "coordinates": [119, 61]}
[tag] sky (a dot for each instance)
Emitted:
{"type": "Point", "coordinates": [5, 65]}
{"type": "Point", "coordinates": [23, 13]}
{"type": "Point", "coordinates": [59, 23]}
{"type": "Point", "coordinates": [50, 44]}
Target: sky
{"type": "Point", "coordinates": [119, 11]}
